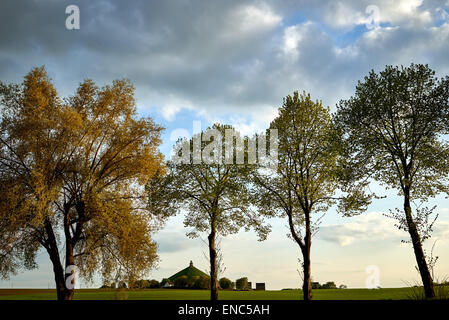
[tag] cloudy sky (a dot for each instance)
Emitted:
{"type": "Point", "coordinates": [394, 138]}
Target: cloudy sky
{"type": "Point", "coordinates": [233, 61]}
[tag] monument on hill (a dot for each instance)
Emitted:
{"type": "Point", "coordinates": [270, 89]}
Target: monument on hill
{"type": "Point", "coordinates": [190, 272]}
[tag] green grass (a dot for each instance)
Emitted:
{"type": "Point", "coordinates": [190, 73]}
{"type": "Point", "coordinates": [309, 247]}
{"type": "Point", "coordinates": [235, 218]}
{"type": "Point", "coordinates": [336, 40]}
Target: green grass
{"type": "Point", "coordinates": [174, 294]}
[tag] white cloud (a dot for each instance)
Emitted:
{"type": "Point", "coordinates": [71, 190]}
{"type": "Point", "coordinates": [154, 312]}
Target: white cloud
{"type": "Point", "coordinates": [231, 56]}
{"type": "Point", "coordinates": [253, 18]}
{"type": "Point", "coordinates": [255, 124]}
{"type": "Point", "coordinates": [246, 21]}
{"type": "Point", "coordinates": [377, 36]}
{"type": "Point", "coordinates": [371, 226]}
{"type": "Point", "coordinates": [348, 14]}
{"type": "Point", "coordinates": [173, 242]}
{"type": "Point", "coordinates": [169, 111]}
{"type": "Point", "coordinates": [442, 13]}
{"type": "Point", "coordinates": [292, 36]}
{"type": "Point", "coordinates": [374, 226]}
{"type": "Point", "coordinates": [342, 15]}
{"type": "Point", "coordinates": [173, 105]}
{"type": "Point", "coordinates": [351, 51]}
{"type": "Point", "coordinates": [440, 231]}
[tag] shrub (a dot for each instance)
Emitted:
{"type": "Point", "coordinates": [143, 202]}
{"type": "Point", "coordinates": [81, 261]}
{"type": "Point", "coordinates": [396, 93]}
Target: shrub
{"type": "Point", "coordinates": [316, 285]}
{"type": "Point", "coordinates": [225, 283]}
{"type": "Point", "coordinates": [329, 285]}
{"type": "Point", "coordinates": [154, 284]}
{"type": "Point", "coordinates": [140, 284]}
{"type": "Point", "coordinates": [164, 281]}
{"type": "Point", "coordinates": [106, 286]}
{"type": "Point", "coordinates": [242, 284]}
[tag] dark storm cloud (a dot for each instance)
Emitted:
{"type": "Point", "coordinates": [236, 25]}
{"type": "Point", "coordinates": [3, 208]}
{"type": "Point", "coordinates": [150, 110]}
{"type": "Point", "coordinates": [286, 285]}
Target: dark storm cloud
{"type": "Point", "coordinates": [232, 56]}
{"type": "Point", "coordinates": [189, 48]}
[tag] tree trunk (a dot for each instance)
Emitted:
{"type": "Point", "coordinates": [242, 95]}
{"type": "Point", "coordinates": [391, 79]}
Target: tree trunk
{"type": "Point", "coordinates": [305, 250]}
{"type": "Point", "coordinates": [62, 292]}
{"type": "Point", "coordinates": [307, 285]}
{"type": "Point", "coordinates": [69, 259]}
{"type": "Point", "coordinates": [59, 275]}
{"type": "Point", "coordinates": [213, 266]}
{"type": "Point", "coordinates": [417, 247]}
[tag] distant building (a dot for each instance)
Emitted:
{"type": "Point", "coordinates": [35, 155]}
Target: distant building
{"type": "Point", "coordinates": [260, 286]}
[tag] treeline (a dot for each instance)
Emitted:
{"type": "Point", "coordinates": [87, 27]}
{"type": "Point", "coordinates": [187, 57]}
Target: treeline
{"type": "Point", "coordinates": [181, 282]}
{"type": "Point", "coordinates": [327, 285]}
{"type": "Point", "coordinates": [390, 131]}
{"type": "Point", "coordinates": [203, 282]}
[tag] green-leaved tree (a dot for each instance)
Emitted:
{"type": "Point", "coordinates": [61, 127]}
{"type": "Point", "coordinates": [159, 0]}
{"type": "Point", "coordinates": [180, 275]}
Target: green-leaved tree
{"type": "Point", "coordinates": [393, 126]}
{"type": "Point", "coordinates": [306, 179]}
{"type": "Point", "coordinates": [212, 188]}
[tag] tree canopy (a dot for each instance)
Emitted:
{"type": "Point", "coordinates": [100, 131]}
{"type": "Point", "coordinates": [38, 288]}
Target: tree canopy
{"type": "Point", "coordinates": [214, 192]}
{"type": "Point", "coordinates": [306, 179]}
{"type": "Point", "coordinates": [393, 128]}
{"type": "Point", "coordinates": [75, 169]}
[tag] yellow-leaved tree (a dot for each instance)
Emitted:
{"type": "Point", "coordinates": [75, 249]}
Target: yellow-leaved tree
{"type": "Point", "coordinates": [72, 173]}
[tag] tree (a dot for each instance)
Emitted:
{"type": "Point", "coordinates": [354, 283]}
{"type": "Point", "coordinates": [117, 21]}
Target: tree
{"type": "Point", "coordinates": [306, 177]}
{"type": "Point", "coordinates": [140, 284]}
{"type": "Point", "coordinates": [214, 191]}
{"type": "Point", "coordinates": [225, 283]}
{"type": "Point", "coordinates": [242, 284]}
{"type": "Point", "coordinates": [329, 285]}
{"type": "Point", "coordinates": [316, 285]}
{"type": "Point", "coordinates": [164, 281]}
{"type": "Point", "coordinates": [154, 284]}
{"type": "Point", "coordinates": [72, 173]}
{"type": "Point", "coordinates": [393, 126]}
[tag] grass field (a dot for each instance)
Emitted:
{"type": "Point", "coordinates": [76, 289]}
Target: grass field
{"type": "Point", "coordinates": [173, 294]}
